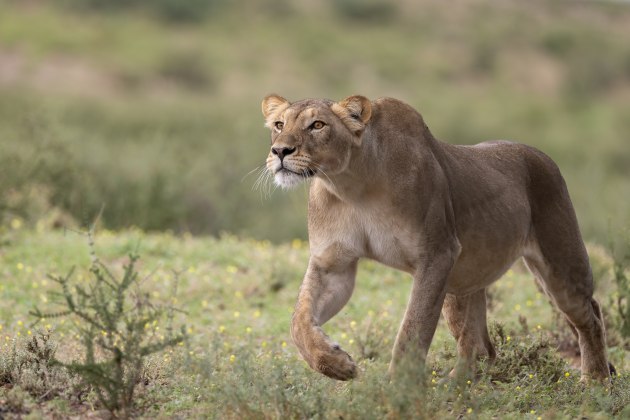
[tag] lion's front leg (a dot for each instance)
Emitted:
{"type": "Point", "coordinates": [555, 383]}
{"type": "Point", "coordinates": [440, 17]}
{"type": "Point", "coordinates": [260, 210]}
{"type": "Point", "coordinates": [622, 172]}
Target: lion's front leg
{"type": "Point", "coordinates": [324, 291]}
{"type": "Point", "coordinates": [423, 310]}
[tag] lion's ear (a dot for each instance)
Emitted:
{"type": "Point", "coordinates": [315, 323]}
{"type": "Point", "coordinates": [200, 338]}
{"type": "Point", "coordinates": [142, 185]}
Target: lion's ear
{"type": "Point", "coordinates": [355, 111]}
{"type": "Point", "coordinates": [272, 104]}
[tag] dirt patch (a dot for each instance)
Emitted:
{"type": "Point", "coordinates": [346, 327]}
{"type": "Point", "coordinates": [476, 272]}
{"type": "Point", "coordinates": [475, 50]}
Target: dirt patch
{"type": "Point", "coordinates": [56, 74]}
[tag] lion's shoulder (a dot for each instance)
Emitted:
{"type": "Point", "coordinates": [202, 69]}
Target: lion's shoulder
{"type": "Point", "coordinates": [395, 117]}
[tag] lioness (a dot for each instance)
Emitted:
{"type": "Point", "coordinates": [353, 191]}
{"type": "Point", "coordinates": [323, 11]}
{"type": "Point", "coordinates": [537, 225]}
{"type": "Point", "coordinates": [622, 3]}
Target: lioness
{"type": "Point", "coordinates": [454, 217]}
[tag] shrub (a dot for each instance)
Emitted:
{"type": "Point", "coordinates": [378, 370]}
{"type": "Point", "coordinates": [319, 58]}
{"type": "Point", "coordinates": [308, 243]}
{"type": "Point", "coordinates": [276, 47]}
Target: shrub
{"type": "Point", "coordinates": [621, 298]}
{"type": "Point", "coordinates": [370, 11]}
{"type": "Point", "coordinates": [518, 358]}
{"type": "Point", "coordinates": [169, 10]}
{"type": "Point", "coordinates": [30, 366]}
{"type": "Point", "coordinates": [186, 68]}
{"type": "Point", "coordinates": [116, 323]}
{"type": "Point", "coordinates": [372, 337]}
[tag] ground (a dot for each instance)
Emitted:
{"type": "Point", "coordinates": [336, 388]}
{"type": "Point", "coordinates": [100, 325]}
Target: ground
{"type": "Point", "coordinates": [239, 361]}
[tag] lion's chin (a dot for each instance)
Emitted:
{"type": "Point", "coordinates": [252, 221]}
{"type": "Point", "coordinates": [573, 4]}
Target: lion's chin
{"type": "Point", "coordinates": [287, 179]}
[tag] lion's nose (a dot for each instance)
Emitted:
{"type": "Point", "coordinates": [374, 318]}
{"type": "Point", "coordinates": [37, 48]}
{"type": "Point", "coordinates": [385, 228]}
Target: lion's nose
{"type": "Point", "coordinates": [281, 152]}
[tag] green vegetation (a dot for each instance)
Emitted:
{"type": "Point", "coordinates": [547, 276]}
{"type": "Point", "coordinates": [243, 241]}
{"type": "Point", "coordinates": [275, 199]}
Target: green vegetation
{"type": "Point", "coordinates": [116, 324]}
{"type": "Point", "coordinates": [621, 299]}
{"type": "Point", "coordinates": [158, 118]}
{"type": "Point", "coordinates": [239, 361]}
{"type": "Point", "coordinates": [149, 109]}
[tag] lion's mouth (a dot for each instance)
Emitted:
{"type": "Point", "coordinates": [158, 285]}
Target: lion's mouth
{"type": "Point", "coordinates": [306, 173]}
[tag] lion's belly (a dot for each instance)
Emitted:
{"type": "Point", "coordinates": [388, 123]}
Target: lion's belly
{"type": "Point", "coordinates": [486, 257]}
{"type": "Point", "coordinates": [468, 275]}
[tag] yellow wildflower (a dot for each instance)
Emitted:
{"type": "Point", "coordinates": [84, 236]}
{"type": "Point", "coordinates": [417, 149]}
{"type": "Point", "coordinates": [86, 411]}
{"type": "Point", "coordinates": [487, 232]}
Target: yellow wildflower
{"type": "Point", "coordinates": [16, 223]}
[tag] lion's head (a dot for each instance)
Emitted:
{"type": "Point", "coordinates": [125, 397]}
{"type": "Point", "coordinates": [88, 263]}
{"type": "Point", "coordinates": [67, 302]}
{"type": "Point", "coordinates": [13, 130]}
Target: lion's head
{"type": "Point", "coordinates": [312, 137]}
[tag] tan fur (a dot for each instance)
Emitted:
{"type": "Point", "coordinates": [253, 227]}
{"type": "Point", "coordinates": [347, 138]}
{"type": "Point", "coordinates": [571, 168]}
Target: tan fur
{"type": "Point", "coordinates": [454, 217]}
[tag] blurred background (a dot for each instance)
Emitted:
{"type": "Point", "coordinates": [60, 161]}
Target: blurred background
{"type": "Point", "coordinates": [152, 107]}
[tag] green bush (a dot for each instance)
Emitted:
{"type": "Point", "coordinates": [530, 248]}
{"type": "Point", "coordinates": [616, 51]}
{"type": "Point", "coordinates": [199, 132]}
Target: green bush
{"type": "Point", "coordinates": [621, 297]}
{"type": "Point", "coordinates": [30, 365]}
{"type": "Point", "coordinates": [520, 356]}
{"type": "Point", "coordinates": [171, 10]}
{"type": "Point", "coordinates": [117, 323]}
{"type": "Point", "coordinates": [369, 11]}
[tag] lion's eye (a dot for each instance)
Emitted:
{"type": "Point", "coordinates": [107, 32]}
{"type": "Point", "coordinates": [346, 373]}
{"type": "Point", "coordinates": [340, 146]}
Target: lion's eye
{"type": "Point", "coordinates": [317, 125]}
{"type": "Point", "coordinates": [279, 125]}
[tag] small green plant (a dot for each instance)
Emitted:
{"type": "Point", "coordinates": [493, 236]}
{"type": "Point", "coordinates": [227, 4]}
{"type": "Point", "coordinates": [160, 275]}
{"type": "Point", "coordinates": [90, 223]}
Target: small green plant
{"type": "Point", "coordinates": [371, 11]}
{"type": "Point", "coordinates": [621, 299]}
{"type": "Point", "coordinates": [30, 366]}
{"type": "Point", "coordinates": [116, 324]}
{"type": "Point", "coordinates": [520, 356]}
{"type": "Point", "coordinates": [371, 338]}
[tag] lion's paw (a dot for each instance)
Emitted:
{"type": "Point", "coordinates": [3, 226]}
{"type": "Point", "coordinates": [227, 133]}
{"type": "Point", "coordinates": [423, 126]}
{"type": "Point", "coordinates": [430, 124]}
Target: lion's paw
{"type": "Point", "coordinates": [336, 364]}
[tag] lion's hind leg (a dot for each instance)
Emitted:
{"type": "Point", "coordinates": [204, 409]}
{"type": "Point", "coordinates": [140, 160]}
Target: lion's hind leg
{"type": "Point", "coordinates": [569, 285]}
{"type": "Point", "coordinates": [466, 319]}
{"type": "Point", "coordinates": [556, 255]}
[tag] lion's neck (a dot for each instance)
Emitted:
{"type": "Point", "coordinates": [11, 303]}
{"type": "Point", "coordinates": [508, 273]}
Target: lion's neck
{"type": "Point", "coordinates": [360, 180]}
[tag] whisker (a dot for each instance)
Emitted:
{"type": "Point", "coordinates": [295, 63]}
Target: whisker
{"type": "Point", "coordinates": [260, 178]}
{"type": "Point", "coordinates": [319, 169]}
{"type": "Point", "coordinates": [257, 168]}
{"type": "Point", "coordinates": [263, 182]}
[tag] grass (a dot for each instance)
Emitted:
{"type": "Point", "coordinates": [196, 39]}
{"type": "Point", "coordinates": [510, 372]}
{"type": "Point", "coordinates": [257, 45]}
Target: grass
{"type": "Point", "coordinates": [239, 361]}
{"type": "Point", "coordinates": [154, 113]}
